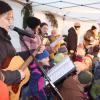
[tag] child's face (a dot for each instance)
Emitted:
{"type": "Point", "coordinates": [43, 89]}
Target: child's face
{"type": "Point", "coordinates": [44, 29]}
{"type": "Point", "coordinates": [45, 61]}
{"type": "Point", "coordinates": [54, 32]}
{"type": "Point", "coordinates": [81, 52]}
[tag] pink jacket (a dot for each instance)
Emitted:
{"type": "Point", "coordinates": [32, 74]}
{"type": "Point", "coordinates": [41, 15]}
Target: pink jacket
{"type": "Point", "coordinates": [32, 43]}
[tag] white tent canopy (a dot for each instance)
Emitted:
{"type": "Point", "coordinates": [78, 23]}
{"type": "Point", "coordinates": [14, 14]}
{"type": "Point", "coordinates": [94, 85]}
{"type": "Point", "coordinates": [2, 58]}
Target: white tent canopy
{"type": "Point", "coordinates": [87, 10]}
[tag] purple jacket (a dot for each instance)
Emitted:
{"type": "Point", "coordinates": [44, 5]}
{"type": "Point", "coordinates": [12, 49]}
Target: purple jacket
{"type": "Point", "coordinates": [36, 82]}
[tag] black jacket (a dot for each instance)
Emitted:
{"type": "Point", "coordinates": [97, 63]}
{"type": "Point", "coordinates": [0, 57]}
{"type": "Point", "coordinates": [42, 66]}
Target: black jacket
{"type": "Point", "coordinates": [72, 39]}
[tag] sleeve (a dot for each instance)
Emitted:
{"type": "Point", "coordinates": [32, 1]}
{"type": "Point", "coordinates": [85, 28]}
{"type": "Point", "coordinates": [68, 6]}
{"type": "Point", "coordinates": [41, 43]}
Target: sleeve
{"type": "Point", "coordinates": [3, 54]}
{"type": "Point", "coordinates": [33, 83]}
{"type": "Point", "coordinates": [11, 77]}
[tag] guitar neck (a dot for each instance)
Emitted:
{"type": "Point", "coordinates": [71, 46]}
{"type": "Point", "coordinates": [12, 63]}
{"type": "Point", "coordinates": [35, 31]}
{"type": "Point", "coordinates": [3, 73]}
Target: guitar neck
{"type": "Point", "coordinates": [29, 60]}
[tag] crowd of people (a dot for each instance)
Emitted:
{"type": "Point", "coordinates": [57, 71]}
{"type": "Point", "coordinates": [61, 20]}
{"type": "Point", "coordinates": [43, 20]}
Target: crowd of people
{"type": "Point", "coordinates": [45, 52]}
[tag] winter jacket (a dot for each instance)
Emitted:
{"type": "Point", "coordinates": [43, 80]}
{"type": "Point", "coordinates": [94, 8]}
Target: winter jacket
{"type": "Point", "coordinates": [32, 43]}
{"type": "Point", "coordinates": [7, 50]}
{"type": "Point", "coordinates": [72, 39]}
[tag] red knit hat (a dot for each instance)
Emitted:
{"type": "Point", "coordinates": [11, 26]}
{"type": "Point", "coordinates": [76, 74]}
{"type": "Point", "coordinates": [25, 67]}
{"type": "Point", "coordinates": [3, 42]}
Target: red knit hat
{"type": "Point", "coordinates": [4, 93]}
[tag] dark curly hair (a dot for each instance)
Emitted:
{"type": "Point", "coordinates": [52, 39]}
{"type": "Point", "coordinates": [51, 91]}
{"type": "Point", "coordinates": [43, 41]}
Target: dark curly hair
{"type": "Point", "coordinates": [33, 22]}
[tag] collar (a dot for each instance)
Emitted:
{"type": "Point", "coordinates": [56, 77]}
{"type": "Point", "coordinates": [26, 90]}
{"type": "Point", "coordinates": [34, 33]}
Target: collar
{"type": "Point", "coordinates": [4, 34]}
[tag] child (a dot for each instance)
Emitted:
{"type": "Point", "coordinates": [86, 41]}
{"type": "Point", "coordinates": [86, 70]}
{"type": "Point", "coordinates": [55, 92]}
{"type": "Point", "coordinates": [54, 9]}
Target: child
{"type": "Point", "coordinates": [35, 89]}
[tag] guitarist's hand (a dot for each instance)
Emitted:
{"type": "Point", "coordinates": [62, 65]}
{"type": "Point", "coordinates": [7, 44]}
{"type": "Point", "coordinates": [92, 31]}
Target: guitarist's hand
{"type": "Point", "coordinates": [22, 74]}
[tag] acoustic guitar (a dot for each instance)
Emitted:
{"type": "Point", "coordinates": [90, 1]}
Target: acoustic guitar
{"type": "Point", "coordinates": [16, 63]}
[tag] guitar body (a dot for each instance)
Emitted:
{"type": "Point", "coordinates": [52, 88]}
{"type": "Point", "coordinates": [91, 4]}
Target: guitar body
{"type": "Point", "coordinates": [16, 63]}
